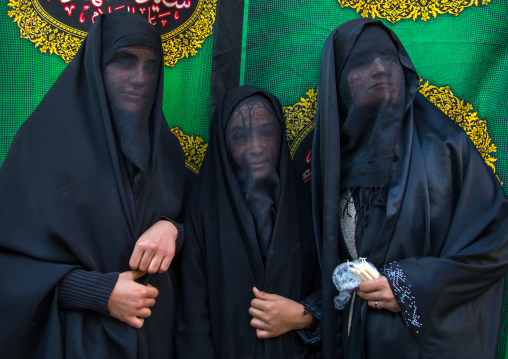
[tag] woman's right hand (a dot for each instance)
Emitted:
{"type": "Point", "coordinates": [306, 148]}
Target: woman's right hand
{"type": "Point", "coordinates": [274, 315]}
{"type": "Point", "coordinates": [130, 301]}
{"type": "Point", "coordinates": [378, 291]}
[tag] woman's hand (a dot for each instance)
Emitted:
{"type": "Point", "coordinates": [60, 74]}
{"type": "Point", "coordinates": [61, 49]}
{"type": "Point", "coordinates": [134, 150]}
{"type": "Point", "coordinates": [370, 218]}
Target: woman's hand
{"type": "Point", "coordinates": [130, 301]}
{"type": "Point", "coordinates": [378, 290]}
{"type": "Point", "coordinates": [155, 249]}
{"type": "Point", "coordinates": [274, 315]}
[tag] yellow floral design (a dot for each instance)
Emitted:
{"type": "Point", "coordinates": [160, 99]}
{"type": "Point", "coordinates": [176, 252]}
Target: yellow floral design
{"type": "Point", "coordinates": [395, 10]}
{"type": "Point", "coordinates": [300, 120]}
{"type": "Point", "coordinates": [187, 42]}
{"type": "Point", "coordinates": [42, 33]}
{"type": "Point", "coordinates": [51, 35]}
{"type": "Point", "coordinates": [464, 115]}
{"type": "Point", "coordinates": [193, 148]}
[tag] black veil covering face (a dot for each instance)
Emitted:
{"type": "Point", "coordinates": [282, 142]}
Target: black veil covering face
{"type": "Point", "coordinates": [253, 140]}
{"type": "Point", "coordinates": [249, 225]}
{"type": "Point", "coordinates": [437, 229]}
{"type": "Point", "coordinates": [371, 90]}
{"type": "Point", "coordinates": [68, 202]}
{"type": "Point", "coordinates": [130, 99]}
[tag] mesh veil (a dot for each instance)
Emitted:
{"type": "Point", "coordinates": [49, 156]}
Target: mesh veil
{"type": "Point", "coordinates": [371, 91]}
{"type": "Point", "coordinates": [253, 140]}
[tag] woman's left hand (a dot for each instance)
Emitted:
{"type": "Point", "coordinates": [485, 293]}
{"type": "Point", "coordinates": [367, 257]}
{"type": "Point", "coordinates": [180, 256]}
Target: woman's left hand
{"type": "Point", "coordinates": [155, 249]}
{"type": "Point", "coordinates": [378, 291]}
{"type": "Point", "coordinates": [274, 315]}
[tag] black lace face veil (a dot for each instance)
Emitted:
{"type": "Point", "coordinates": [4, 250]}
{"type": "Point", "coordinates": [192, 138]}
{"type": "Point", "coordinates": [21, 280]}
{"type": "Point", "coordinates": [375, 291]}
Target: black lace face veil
{"type": "Point", "coordinates": [130, 92]}
{"type": "Point", "coordinates": [371, 92]}
{"type": "Point", "coordinates": [253, 140]}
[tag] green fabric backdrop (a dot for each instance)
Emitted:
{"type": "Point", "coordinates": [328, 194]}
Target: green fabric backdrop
{"type": "Point", "coordinates": [281, 48]}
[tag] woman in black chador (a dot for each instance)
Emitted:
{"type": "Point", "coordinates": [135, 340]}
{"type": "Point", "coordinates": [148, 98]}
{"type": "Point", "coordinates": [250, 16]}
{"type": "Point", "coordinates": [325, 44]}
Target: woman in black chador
{"type": "Point", "coordinates": [397, 182]}
{"type": "Point", "coordinates": [89, 189]}
{"type": "Point", "coordinates": [249, 265]}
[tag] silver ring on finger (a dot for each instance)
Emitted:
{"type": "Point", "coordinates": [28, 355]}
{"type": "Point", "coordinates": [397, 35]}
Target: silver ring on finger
{"type": "Point", "coordinates": [377, 305]}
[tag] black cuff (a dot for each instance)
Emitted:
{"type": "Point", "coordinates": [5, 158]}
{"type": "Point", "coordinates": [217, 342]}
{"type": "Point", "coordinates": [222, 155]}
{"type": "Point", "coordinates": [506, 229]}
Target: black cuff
{"type": "Point", "coordinates": [180, 236]}
{"type": "Point", "coordinates": [312, 305]}
{"type": "Point", "coordinates": [86, 290]}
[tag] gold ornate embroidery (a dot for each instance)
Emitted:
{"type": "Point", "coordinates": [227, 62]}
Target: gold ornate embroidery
{"type": "Point", "coordinates": [300, 120]}
{"type": "Point", "coordinates": [193, 148]}
{"type": "Point", "coordinates": [188, 39]}
{"type": "Point", "coordinates": [33, 27]}
{"type": "Point", "coordinates": [395, 10]}
{"type": "Point", "coordinates": [36, 25]}
{"type": "Point", "coordinates": [462, 113]}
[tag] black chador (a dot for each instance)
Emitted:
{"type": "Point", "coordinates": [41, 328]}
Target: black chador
{"type": "Point", "coordinates": [397, 182]}
{"type": "Point", "coordinates": [250, 226]}
{"type": "Point", "coordinates": [77, 191]}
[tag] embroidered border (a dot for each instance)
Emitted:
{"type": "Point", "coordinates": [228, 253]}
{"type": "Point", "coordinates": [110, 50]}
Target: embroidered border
{"type": "Point", "coordinates": [300, 120]}
{"type": "Point", "coordinates": [193, 148]}
{"type": "Point", "coordinates": [464, 115]}
{"type": "Point", "coordinates": [402, 290]}
{"type": "Point", "coordinates": [187, 43]}
{"type": "Point", "coordinates": [395, 10]}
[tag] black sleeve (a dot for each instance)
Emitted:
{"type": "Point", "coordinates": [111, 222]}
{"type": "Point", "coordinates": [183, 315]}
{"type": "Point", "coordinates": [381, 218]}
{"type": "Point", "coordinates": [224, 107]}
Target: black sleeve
{"type": "Point", "coordinates": [180, 237]}
{"type": "Point", "coordinates": [312, 305]}
{"type": "Point", "coordinates": [86, 290]}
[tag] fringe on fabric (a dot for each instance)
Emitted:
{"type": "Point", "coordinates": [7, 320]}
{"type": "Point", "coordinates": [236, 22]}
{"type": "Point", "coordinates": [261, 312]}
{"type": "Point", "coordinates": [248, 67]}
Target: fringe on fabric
{"type": "Point", "coordinates": [363, 198]}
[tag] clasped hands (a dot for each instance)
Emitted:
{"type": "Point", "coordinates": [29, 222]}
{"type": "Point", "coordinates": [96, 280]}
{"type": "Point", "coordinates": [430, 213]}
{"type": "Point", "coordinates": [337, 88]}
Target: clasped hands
{"type": "Point", "coordinates": [130, 301]}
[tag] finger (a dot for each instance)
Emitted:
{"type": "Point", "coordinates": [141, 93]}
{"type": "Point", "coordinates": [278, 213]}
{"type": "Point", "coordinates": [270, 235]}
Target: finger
{"type": "Point", "coordinates": [263, 334]}
{"type": "Point", "coordinates": [368, 286]}
{"type": "Point", "coordinates": [256, 313]}
{"type": "Point", "coordinates": [376, 284]}
{"type": "Point", "coordinates": [145, 260]}
{"type": "Point", "coordinates": [256, 292]}
{"type": "Point", "coordinates": [258, 304]}
{"type": "Point", "coordinates": [149, 302]}
{"type": "Point", "coordinates": [136, 256]}
{"type": "Point", "coordinates": [372, 304]}
{"type": "Point", "coordinates": [259, 294]}
{"type": "Point", "coordinates": [258, 324]}
{"type": "Point", "coordinates": [143, 313]}
{"type": "Point", "coordinates": [263, 295]}
{"type": "Point", "coordinates": [134, 274]}
{"type": "Point", "coordinates": [151, 291]}
{"type": "Point", "coordinates": [135, 322]}
{"type": "Point", "coordinates": [369, 295]}
{"type": "Point", "coordinates": [155, 264]}
{"type": "Point", "coordinates": [166, 262]}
